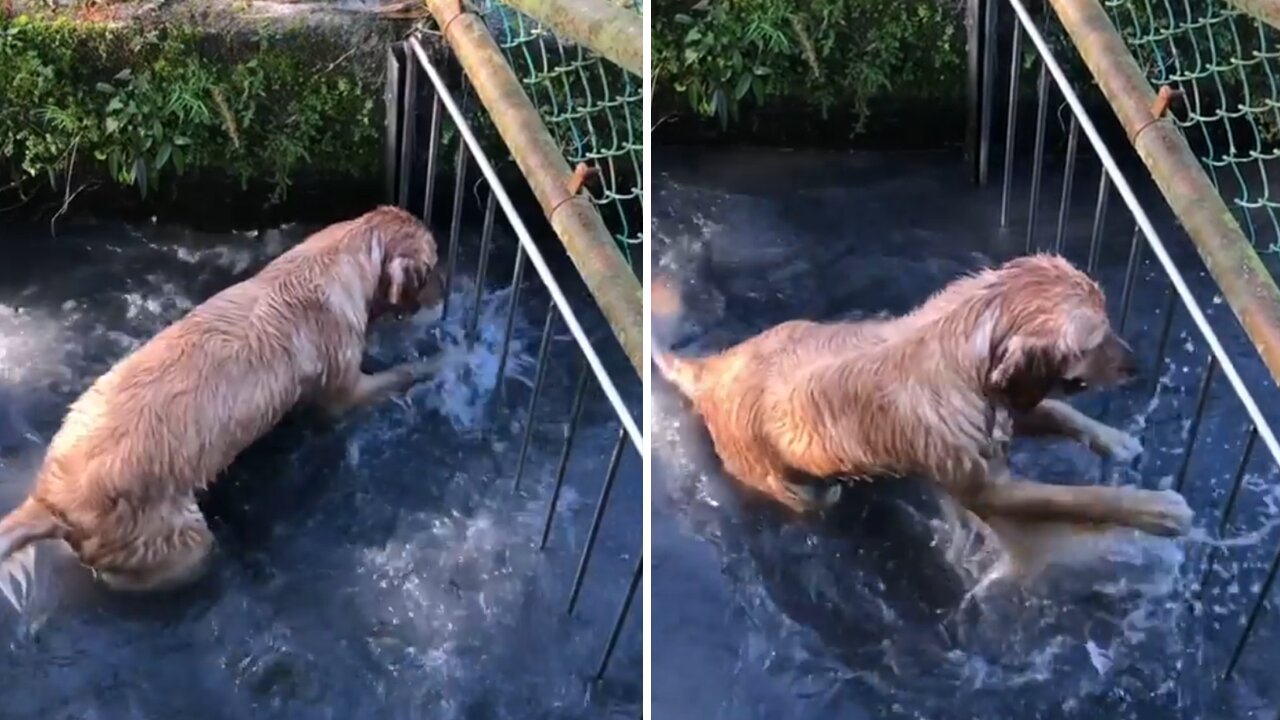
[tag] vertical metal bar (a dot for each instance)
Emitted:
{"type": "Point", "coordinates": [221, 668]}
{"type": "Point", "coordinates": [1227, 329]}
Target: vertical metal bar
{"type": "Point", "coordinates": [543, 350]}
{"type": "Point", "coordinates": [1099, 222]}
{"type": "Point", "coordinates": [605, 490]}
{"type": "Point", "coordinates": [973, 39]}
{"type": "Point", "coordinates": [1229, 509]}
{"type": "Point", "coordinates": [455, 226]}
{"type": "Point", "coordinates": [1011, 125]}
{"type": "Point", "coordinates": [1254, 614]}
{"type": "Point", "coordinates": [409, 126]}
{"type": "Point", "coordinates": [1201, 400]}
{"type": "Point", "coordinates": [1068, 175]}
{"type": "Point", "coordinates": [622, 618]}
{"type": "Point", "coordinates": [1130, 276]}
{"type": "Point", "coordinates": [989, 47]}
{"type": "Point", "coordinates": [391, 122]}
{"type": "Point", "coordinates": [1170, 306]}
{"type": "Point", "coordinates": [516, 278]}
{"type": "Point", "coordinates": [486, 235]}
{"type": "Point", "coordinates": [571, 432]}
{"type": "Point", "coordinates": [433, 156]}
{"type": "Point", "coordinates": [1037, 167]}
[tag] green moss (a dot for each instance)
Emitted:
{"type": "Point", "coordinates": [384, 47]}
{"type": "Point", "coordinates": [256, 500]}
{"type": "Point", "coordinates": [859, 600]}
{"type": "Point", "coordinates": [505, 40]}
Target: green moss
{"type": "Point", "coordinates": [724, 57]}
{"type": "Point", "coordinates": [143, 106]}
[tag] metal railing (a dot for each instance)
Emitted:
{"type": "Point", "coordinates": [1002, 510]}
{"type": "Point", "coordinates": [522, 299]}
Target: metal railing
{"type": "Point", "coordinates": [1053, 82]}
{"type": "Point", "coordinates": [406, 63]}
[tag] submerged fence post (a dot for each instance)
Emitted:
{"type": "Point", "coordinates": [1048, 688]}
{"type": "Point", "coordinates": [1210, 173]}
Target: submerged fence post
{"type": "Point", "coordinates": [1246, 285]}
{"type": "Point", "coordinates": [575, 220]}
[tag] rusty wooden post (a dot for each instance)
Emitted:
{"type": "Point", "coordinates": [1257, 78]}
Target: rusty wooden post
{"type": "Point", "coordinates": [1268, 11]}
{"type": "Point", "coordinates": [1246, 285]}
{"type": "Point", "coordinates": [575, 220]}
{"type": "Point", "coordinates": [607, 29]}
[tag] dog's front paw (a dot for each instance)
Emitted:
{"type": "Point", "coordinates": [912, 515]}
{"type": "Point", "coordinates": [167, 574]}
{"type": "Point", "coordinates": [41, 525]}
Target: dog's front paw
{"type": "Point", "coordinates": [421, 370]}
{"type": "Point", "coordinates": [1163, 512]}
{"type": "Point", "coordinates": [1118, 445]}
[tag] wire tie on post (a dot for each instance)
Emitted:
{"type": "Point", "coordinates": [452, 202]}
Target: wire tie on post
{"type": "Point", "coordinates": [1159, 108]}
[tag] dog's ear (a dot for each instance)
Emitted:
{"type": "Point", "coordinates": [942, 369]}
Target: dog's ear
{"type": "Point", "coordinates": [1024, 372]}
{"type": "Point", "coordinates": [402, 281]}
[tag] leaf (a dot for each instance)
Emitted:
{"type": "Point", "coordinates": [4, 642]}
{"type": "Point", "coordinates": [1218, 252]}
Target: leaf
{"type": "Point", "coordinates": [113, 124]}
{"type": "Point", "coordinates": [179, 160]}
{"type": "Point", "coordinates": [140, 174]}
{"type": "Point", "coordinates": [162, 155]}
{"type": "Point", "coordinates": [744, 84]}
{"type": "Point", "coordinates": [181, 141]}
{"type": "Point", "coordinates": [116, 104]}
{"type": "Point", "coordinates": [125, 74]}
{"type": "Point", "coordinates": [105, 88]}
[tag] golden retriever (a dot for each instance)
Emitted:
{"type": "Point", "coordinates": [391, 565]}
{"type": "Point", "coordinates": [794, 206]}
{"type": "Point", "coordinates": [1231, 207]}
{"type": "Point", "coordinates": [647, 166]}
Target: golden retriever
{"type": "Point", "coordinates": [936, 393]}
{"type": "Point", "coordinates": [118, 481]}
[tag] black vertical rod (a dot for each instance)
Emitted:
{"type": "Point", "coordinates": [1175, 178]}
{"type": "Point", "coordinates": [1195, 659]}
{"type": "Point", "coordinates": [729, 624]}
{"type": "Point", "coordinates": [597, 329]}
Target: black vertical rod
{"type": "Point", "coordinates": [543, 350]}
{"type": "Point", "coordinates": [1068, 176]}
{"type": "Point", "coordinates": [1166, 325]}
{"type": "Point", "coordinates": [516, 278]}
{"type": "Point", "coordinates": [408, 127]}
{"type": "Point", "coordinates": [571, 432]}
{"type": "Point", "coordinates": [989, 46]}
{"type": "Point", "coordinates": [486, 236]}
{"type": "Point", "coordinates": [1201, 400]}
{"type": "Point", "coordinates": [1130, 276]}
{"type": "Point", "coordinates": [1228, 510]}
{"type": "Point", "coordinates": [1011, 125]}
{"type": "Point", "coordinates": [1099, 222]}
{"type": "Point", "coordinates": [455, 226]}
{"type": "Point", "coordinates": [973, 78]}
{"type": "Point", "coordinates": [1254, 614]}
{"type": "Point", "coordinates": [433, 157]}
{"type": "Point", "coordinates": [1037, 166]}
{"type": "Point", "coordinates": [391, 124]}
{"type": "Point", "coordinates": [622, 618]}
{"type": "Point", "coordinates": [605, 490]}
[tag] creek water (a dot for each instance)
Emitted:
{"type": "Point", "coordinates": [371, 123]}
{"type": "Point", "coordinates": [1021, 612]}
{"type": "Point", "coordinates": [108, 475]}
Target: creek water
{"type": "Point", "coordinates": [380, 568]}
{"type": "Point", "coordinates": [862, 613]}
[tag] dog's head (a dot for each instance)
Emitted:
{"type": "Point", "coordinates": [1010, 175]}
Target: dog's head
{"type": "Point", "coordinates": [410, 280]}
{"type": "Point", "coordinates": [1053, 334]}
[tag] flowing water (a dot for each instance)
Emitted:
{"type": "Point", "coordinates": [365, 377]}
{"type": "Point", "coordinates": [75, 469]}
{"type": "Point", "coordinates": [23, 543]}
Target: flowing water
{"type": "Point", "coordinates": [382, 568]}
{"type": "Point", "coordinates": [869, 611]}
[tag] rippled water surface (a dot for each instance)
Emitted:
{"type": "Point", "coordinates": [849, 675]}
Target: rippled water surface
{"type": "Point", "coordinates": [861, 613]}
{"type": "Point", "coordinates": [383, 568]}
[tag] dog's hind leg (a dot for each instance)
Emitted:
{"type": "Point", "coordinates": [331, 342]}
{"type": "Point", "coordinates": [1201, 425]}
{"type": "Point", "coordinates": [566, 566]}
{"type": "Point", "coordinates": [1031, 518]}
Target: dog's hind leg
{"type": "Point", "coordinates": [172, 551]}
{"type": "Point", "coordinates": [1055, 417]}
{"type": "Point", "coordinates": [1158, 512]}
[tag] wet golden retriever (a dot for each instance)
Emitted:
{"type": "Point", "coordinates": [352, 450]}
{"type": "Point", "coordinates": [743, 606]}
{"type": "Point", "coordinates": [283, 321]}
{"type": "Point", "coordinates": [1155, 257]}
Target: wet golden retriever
{"type": "Point", "coordinates": [937, 393]}
{"type": "Point", "coordinates": [119, 478]}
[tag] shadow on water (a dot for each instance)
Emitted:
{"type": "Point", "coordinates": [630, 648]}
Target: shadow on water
{"type": "Point", "coordinates": [381, 566]}
{"type": "Point", "coordinates": [862, 613]}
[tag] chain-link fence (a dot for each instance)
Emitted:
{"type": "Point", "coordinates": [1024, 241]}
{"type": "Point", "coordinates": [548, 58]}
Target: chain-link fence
{"type": "Point", "coordinates": [592, 107]}
{"type": "Point", "coordinates": [1225, 63]}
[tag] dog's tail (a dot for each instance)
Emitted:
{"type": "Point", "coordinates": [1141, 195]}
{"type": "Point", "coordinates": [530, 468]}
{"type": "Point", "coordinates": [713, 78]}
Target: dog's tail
{"type": "Point", "coordinates": [684, 373]}
{"type": "Point", "coordinates": [30, 522]}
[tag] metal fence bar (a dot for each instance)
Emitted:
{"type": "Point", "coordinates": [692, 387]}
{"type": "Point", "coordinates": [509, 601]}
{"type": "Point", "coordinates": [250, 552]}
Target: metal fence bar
{"type": "Point", "coordinates": [486, 237]}
{"type": "Point", "coordinates": [988, 90]}
{"type": "Point", "coordinates": [571, 431]}
{"type": "Point", "coordinates": [539, 377]}
{"type": "Point", "coordinates": [1037, 166]}
{"type": "Point", "coordinates": [1193, 433]}
{"type": "Point", "coordinates": [1011, 125]}
{"type": "Point", "coordinates": [455, 226]}
{"type": "Point", "coordinates": [622, 619]}
{"type": "Point", "coordinates": [1228, 510]}
{"type": "Point", "coordinates": [408, 129]}
{"type": "Point", "coordinates": [433, 154]}
{"type": "Point", "coordinates": [1068, 176]}
{"type": "Point", "coordinates": [1130, 276]}
{"type": "Point", "coordinates": [391, 126]}
{"type": "Point", "coordinates": [517, 277]}
{"type": "Point", "coordinates": [601, 504]}
{"type": "Point", "coordinates": [1099, 221]}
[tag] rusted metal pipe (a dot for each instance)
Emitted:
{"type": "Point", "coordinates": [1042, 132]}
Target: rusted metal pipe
{"type": "Point", "coordinates": [575, 220]}
{"type": "Point", "coordinates": [608, 30]}
{"type": "Point", "coordinates": [1268, 11]}
{"type": "Point", "coordinates": [1246, 285]}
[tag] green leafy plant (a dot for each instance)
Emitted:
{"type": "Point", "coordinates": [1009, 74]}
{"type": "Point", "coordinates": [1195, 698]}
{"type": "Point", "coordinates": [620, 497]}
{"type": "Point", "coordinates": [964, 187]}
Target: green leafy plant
{"type": "Point", "coordinates": [142, 107]}
{"type": "Point", "coordinates": [724, 56]}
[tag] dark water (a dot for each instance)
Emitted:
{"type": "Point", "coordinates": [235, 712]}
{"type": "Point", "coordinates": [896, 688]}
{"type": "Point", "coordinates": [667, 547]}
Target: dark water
{"type": "Point", "coordinates": [858, 614]}
{"type": "Point", "coordinates": [381, 569]}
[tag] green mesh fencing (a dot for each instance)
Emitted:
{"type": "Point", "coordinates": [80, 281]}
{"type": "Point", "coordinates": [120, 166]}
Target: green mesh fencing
{"type": "Point", "coordinates": [592, 107]}
{"type": "Point", "coordinates": [1225, 62]}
